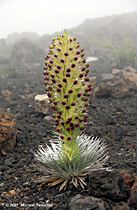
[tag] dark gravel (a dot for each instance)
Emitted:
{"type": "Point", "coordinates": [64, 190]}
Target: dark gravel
{"type": "Point", "coordinates": [113, 120]}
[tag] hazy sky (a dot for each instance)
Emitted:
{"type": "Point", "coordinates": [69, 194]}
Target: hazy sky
{"type": "Point", "coordinates": [49, 16]}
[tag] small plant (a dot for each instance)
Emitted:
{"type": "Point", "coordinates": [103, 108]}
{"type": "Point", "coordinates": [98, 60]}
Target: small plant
{"type": "Point", "coordinates": [6, 70]}
{"type": "Point", "coordinates": [125, 55]}
{"type": "Point", "coordinates": [71, 155]}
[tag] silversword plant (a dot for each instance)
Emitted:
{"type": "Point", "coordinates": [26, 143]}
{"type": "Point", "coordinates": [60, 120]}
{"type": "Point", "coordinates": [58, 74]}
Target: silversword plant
{"type": "Point", "coordinates": [71, 155]}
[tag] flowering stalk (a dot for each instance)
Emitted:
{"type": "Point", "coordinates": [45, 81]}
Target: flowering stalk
{"type": "Point", "coordinates": [68, 87]}
{"type": "Point", "coordinates": [73, 155]}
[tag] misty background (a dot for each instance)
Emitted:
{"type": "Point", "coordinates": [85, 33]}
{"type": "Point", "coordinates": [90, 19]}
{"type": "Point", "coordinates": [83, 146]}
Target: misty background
{"type": "Point", "coordinates": [106, 29]}
{"type": "Point", "coordinates": [44, 16]}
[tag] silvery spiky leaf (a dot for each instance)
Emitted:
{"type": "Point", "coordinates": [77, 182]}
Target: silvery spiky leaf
{"type": "Point", "coordinates": [90, 156]}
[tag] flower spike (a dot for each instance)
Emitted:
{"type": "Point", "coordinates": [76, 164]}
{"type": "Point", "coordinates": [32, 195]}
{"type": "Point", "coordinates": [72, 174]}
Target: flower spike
{"type": "Point", "coordinates": [72, 155]}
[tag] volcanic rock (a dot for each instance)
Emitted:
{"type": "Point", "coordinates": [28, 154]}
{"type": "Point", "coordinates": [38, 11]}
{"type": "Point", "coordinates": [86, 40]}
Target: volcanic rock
{"type": "Point", "coordinates": [118, 84]}
{"type": "Point", "coordinates": [79, 203]}
{"type": "Point", "coordinates": [7, 95]}
{"type": "Point", "coordinates": [8, 129]}
{"type": "Point", "coordinates": [26, 52]}
{"type": "Point", "coordinates": [42, 104]}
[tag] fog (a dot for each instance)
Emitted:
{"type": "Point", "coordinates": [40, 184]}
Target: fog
{"type": "Point", "coordinates": [49, 16]}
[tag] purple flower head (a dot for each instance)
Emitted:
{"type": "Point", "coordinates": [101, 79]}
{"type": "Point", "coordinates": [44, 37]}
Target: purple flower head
{"type": "Point", "coordinates": [62, 137]}
{"type": "Point", "coordinates": [75, 58]}
{"type": "Point", "coordinates": [68, 70]}
{"type": "Point", "coordinates": [66, 54]}
{"type": "Point", "coordinates": [77, 117]}
{"type": "Point", "coordinates": [51, 61]}
{"type": "Point", "coordinates": [86, 99]}
{"type": "Point", "coordinates": [58, 49]}
{"type": "Point", "coordinates": [87, 70]}
{"type": "Point", "coordinates": [68, 128]}
{"type": "Point", "coordinates": [55, 55]}
{"type": "Point", "coordinates": [73, 104]}
{"type": "Point", "coordinates": [69, 138]}
{"type": "Point", "coordinates": [62, 123]}
{"type": "Point", "coordinates": [46, 57]}
{"type": "Point", "coordinates": [60, 85]}
{"type": "Point", "coordinates": [70, 40]}
{"type": "Point", "coordinates": [70, 48]}
{"type": "Point", "coordinates": [78, 52]}
{"type": "Point", "coordinates": [67, 107]}
{"type": "Point", "coordinates": [69, 119]}
{"type": "Point", "coordinates": [53, 81]}
{"type": "Point", "coordinates": [78, 45]}
{"type": "Point", "coordinates": [81, 75]}
{"type": "Point", "coordinates": [52, 76]}
{"type": "Point", "coordinates": [49, 66]}
{"type": "Point", "coordinates": [68, 75]}
{"type": "Point", "coordinates": [89, 85]}
{"type": "Point", "coordinates": [56, 71]}
{"type": "Point", "coordinates": [67, 122]}
{"type": "Point", "coordinates": [59, 117]}
{"type": "Point", "coordinates": [75, 82]}
{"type": "Point", "coordinates": [56, 121]}
{"type": "Point", "coordinates": [84, 60]}
{"type": "Point", "coordinates": [49, 95]}
{"type": "Point", "coordinates": [58, 67]}
{"type": "Point", "coordinates": [63, 102]}
{"type": "Point", "coordinates": [60, 112]}
{"type": "Point", "coordinates": [73, 65]}
{"type": "Point", "coordinates": [65, 95]}
{"type": "Point", "coordinates": [74, 38]}
{"type": "Point", "coordinates": [60, 43]}
{"type": "Point", "coordinates": [84, 110]}
{"type": "Point", "coordinates": [77, 125]}
{"type": "Point", "coordinates": [89, 94]}
{"type": "Point", "coordinates": [86, 104]}
{"type": "Point", "coordinates": [79, 95]}
{"type": "Point", "coordinates": [45, 67]}
{"type": "Point", "coordinates": [70, 91]}
{"type": "Point", "coordinates": [58, 90]}
{"type": "Point", "coordinates": [83, 68]}
{"type": "Point", "coordinates": [45, 78]}
{"type": "Point", "coordinates": [87, 89]}
{"type": "Point", "coordinates": [71, 124]}
{"type": "Point", "coordinates": [45, 72]}
{"type": "Point", "coordinates": [64, 80]}
{"type": "Point", "coordinates": [58, 130]}
{"type": "Point", "coordinates": [52, 107]}
{"type": "Point", "coordinates": [55, 103]}
{"type": "Point", "coordinates": [62, 60]}
{"type": "Point", "coordinates": [87, 79]}
{"type": "Point", "coordinates": [81, 120]}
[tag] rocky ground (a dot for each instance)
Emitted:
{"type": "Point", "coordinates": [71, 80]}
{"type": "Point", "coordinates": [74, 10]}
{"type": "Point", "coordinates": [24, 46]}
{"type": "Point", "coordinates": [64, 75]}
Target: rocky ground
{"type": "Point", "coordinates": [114, 120]}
